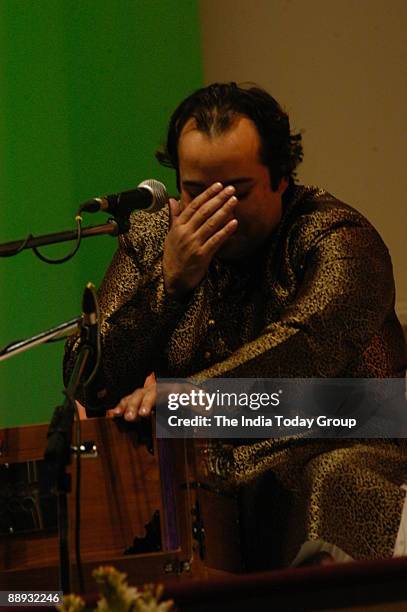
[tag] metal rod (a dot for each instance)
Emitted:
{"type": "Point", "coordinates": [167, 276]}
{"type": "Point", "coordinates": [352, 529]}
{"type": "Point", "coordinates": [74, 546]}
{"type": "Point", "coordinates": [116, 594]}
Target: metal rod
{"type": "Point", "coordinates": [10, 248]}
{"type": "Point", "coordinates": [19, 346]}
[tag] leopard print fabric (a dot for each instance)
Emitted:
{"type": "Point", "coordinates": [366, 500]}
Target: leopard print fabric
{"type": "Point", "coordinates": [316, 301]}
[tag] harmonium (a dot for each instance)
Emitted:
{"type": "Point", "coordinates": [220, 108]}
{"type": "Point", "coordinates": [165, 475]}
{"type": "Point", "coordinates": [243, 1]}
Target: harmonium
{"type": "Point", "coordinates": [148, 507]}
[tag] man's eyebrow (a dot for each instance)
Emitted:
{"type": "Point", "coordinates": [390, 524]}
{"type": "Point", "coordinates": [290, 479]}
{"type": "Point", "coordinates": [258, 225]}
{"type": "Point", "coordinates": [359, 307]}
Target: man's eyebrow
{"type": "Point", "coordinates": [241, 180]}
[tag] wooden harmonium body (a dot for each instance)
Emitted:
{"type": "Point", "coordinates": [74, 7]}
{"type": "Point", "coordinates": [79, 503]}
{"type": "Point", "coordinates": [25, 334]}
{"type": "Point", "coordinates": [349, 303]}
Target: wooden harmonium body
{"type": "Point", "coordinates": [147, 507]}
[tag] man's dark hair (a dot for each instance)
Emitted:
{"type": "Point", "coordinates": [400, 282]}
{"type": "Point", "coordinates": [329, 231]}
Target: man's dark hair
{"type": "Point", "coordinates": [215, 108]}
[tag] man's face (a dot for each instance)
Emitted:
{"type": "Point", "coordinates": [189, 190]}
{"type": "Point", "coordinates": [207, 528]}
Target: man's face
{"type": "Point", "coordinates": [232, 158]}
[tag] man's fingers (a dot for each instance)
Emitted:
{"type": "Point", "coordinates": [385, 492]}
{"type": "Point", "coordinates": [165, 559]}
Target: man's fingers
{"type": "Point", "coordinates": [139, 403]}
{"type": "Point", "coordinates": [148, 401]}
{"type": "Point", "coordinates": [208, 209]}
{"type": "Point", "coordinates": [215, 242]}
{"type": "Point", "coordinates": [216, 221]}
{"type": "Point", "coordinates": [130, 405]}
{"type": "Point", "coordinates": [197, 202]}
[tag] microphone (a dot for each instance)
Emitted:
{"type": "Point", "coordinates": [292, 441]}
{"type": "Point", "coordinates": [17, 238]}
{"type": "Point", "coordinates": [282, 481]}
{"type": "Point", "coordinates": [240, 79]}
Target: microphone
{"type": "Point", "coordinates": [150, 196]}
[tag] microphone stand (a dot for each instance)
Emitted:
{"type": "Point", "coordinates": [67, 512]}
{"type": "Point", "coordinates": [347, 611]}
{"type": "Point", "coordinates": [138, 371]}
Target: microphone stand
{"type": "Point", "coordinates": [58, 450]}
{"type": "Point", "coordinates": [58, 457]}
{"type": "Point", "coordinates": [113, 227]}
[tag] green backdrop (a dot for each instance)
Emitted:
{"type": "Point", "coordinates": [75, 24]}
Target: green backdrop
{"type": "Point", "coordinates": [87, 87]}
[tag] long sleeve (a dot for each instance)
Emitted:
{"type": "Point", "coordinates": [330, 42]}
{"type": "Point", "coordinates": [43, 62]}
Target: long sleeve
{"type": "Point", "coordinates": [136, 314]}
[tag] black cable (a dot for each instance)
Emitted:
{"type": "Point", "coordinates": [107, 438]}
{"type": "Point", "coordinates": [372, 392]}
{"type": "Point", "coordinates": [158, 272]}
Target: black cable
{"type": "Point", "coordinates": [78, 220]}
{"type": "Point", "coordinates": [20, 248]}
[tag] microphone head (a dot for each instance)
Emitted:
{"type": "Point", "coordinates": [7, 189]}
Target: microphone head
{"type": "Point", "coordinates": [149, 196]}
{"type": "Point", "coordinates": [158, 192]}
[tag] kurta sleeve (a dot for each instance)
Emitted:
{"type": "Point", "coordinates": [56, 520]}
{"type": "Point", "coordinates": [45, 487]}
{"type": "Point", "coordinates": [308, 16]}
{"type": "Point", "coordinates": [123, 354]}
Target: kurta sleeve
{"type": "Point", "coordinates": [136, 319]}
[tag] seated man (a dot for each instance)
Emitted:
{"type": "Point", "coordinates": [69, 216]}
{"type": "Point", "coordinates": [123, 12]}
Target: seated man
{"type": "Point", "coordinates": [251, 275]}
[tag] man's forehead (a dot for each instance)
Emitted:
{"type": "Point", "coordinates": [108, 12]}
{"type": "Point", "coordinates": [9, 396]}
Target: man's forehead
{"type": "Point", "coordinates": [241, 136]}
{"type": "Point", "coordinates": [232, 157]}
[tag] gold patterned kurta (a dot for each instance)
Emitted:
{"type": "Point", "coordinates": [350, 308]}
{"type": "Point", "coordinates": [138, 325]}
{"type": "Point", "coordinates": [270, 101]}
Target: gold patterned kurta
{"type": "Point", "coordinates": [317, 300]}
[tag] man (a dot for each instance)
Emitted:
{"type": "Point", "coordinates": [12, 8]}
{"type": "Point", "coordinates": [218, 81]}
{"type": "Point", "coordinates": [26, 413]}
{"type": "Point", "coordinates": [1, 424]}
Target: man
{"type": "Point", "coordinates": [250, 275]}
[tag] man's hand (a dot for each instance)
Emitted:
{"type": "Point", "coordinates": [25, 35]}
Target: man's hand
{"type": "Point", "coordinates": [196, 232]}
{"type": "Point", "coordinates": [139, 403]}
